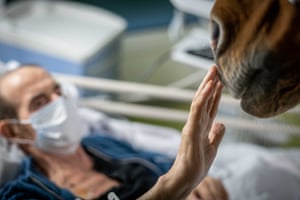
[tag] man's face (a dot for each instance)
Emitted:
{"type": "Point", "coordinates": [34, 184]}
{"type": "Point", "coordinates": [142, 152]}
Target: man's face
{"type": "Point", "coordinates": [29, 89]}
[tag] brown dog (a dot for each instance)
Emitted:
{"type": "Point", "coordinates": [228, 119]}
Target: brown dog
{"type": "Point", "coordinates": [257, 50]}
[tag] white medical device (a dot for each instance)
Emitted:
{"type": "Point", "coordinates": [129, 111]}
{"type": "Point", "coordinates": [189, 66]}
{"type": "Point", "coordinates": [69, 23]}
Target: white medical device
{"type": "Point", "coordinates": [62, 36]}
{"type": "Point", "coordinates": [193, 49]}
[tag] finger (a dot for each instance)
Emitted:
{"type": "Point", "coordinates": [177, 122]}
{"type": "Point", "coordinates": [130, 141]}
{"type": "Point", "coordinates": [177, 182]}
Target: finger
{"type": "Point", "coordinates": [207, 97]}
{"type": "Point", "coordinates": [217, 188]}
{"type": "Point", "coordinates": [205, 191]}
{"type": "Point", "coordinates": [216, 134]}
{"type": "Point", "coordinates": [211, 186]}
{"type": "Point", "coordinates": [198, 105]}
{"type": "Point", "coordinates": [216, 99]}
{"type": "Point", "coordinates": [194, 195]}
{"type": "Point", "coordinates": [209, 76]}
{"type": "Point", "coordinates": [213, 102]}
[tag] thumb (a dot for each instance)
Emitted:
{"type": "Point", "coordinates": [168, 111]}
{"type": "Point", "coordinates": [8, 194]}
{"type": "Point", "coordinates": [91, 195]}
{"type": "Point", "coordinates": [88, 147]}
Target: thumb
{"type": "Point", "coordinates": [216, 134]}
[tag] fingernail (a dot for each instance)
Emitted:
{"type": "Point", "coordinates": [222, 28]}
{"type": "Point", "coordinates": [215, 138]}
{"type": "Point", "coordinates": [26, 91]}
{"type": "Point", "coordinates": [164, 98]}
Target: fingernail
{"type": "Point", "coordinates": [220, 127]}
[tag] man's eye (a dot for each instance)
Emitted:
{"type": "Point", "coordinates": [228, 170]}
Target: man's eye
{"type": "Point", "coordinates": [58, 91]}
{"type": "Point", "coordinates": [39, 104]}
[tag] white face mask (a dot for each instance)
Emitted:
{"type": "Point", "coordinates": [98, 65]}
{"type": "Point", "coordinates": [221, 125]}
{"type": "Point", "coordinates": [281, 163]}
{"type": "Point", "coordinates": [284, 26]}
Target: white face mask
{"type": "Point", "coordinates": [58, 127]}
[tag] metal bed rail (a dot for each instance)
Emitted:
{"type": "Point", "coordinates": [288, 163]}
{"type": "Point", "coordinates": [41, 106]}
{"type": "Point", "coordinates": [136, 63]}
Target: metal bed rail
{"type": "Point", "coordinates": [173, 94]}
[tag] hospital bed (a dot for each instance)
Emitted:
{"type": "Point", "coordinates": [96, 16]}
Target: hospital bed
{"type": "Point", "coordinates": [230, 112]}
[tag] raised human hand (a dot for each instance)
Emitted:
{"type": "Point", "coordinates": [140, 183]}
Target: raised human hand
{"type": "Point", "coordinates": [201, 137]}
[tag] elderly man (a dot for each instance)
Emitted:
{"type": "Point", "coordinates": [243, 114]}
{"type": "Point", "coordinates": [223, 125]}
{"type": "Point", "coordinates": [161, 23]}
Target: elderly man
{"type": "Point", "coordinates": [61, 165]}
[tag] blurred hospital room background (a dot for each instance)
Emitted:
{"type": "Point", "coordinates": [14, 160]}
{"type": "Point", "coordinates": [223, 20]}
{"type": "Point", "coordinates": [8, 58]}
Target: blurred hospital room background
{"type": "Point", "coordinates": [134, 60]}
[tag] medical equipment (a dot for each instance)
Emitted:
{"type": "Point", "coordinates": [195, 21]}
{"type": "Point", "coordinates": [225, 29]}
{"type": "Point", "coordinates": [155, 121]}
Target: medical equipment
{"type": "Point", "coordinates": [192, 48]}
{"type": "Point", "coordinates": [62, 36]}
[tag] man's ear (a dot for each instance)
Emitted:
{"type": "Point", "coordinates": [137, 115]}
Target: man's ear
{"type": "Point", "coordinates": [6, 129]}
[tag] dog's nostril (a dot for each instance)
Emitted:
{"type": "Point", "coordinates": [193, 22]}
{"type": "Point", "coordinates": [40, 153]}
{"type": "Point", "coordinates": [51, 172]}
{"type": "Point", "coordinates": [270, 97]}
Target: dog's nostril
{"type": "Point", "coordinates": [215, 34]}
{"type": "Point", "coordinates": [215, 31]}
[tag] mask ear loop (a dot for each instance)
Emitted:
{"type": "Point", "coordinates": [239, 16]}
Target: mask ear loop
{"type": "Point", "coordinates": [19, 140]}
{"type": "Point", "coordinates": [17, 121]}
